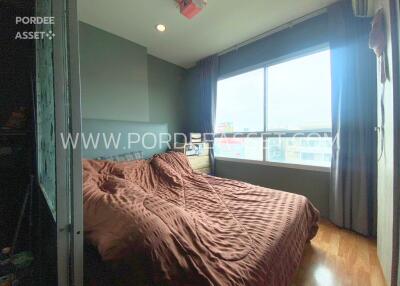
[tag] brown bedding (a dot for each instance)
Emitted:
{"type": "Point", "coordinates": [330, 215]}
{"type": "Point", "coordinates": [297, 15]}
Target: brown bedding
{"type": "Point", "coordinates": [194, 229]}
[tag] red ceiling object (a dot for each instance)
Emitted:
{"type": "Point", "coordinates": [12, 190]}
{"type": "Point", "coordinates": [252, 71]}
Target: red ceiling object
{"type": "Point", "coordinates": [190, 8]}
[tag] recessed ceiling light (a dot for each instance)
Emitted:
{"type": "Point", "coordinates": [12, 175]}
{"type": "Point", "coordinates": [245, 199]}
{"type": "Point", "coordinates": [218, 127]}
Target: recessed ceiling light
{"type": "Point", "coordinates": [161, 28]}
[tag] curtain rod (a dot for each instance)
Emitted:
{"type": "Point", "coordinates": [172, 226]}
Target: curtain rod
{"type": "Point", "coordinates": [275, 30]}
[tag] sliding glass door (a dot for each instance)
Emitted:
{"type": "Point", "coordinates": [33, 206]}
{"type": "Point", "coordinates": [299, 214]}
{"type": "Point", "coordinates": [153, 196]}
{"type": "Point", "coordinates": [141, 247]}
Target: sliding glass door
{"type": "Point", "coordinates": [59, 113]}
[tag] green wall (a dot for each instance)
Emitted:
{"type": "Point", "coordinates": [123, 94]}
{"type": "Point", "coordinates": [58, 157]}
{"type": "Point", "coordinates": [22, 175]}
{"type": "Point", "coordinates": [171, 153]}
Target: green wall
{"type": "Point", "coordinates": [385, 165]}
{"type": "Point", "coordinates": [121, 81]}
{"type": "Point", "coordinates": [166, 93]}
{"type": "Point", "coordinates": [114, 76]}
{"type": "Point", "coordinates": [311, 184]}
{"type": "Point", "coordinates": [302, 36]}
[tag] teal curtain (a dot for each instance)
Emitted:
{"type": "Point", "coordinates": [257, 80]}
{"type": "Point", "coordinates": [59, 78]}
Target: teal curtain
{"type": "Point", "coordinates": [354, 106]}
{"type": "Point", "coordinates": [207, 76]}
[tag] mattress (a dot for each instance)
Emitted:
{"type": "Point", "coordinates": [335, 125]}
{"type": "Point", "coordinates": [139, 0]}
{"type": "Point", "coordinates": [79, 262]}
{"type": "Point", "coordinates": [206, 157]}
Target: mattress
{"type": "Point", "coordinates": [188, 228]}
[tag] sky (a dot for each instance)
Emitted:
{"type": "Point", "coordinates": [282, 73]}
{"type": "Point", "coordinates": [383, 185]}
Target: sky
{"type": "Point", "coordinates": [298, 96]}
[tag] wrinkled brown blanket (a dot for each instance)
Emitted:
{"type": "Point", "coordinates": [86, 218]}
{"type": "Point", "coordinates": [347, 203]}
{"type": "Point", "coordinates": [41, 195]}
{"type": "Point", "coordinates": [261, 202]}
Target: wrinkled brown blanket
{"type": "Point", "coordinates": [195, 229]}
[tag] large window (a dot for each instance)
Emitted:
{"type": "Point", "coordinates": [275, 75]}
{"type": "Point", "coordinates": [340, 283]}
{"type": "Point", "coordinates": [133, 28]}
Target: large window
{"type": "Point", "coordinates": [278, 113]}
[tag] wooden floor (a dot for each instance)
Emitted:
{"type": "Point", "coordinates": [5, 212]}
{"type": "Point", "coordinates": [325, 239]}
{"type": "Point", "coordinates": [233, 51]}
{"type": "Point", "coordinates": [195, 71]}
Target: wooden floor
{"type": "Point", "coordinates": [338, 257]}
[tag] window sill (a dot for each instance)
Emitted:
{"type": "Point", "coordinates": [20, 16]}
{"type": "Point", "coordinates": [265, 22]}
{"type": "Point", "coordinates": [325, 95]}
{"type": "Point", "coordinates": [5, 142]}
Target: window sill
{"type": "Point", "coordinates": [275, 164]}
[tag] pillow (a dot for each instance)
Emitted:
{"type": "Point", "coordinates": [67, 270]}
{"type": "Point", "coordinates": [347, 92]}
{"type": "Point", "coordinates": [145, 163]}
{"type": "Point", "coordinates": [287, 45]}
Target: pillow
{"type": "Point", "coordinates": [137, 155]}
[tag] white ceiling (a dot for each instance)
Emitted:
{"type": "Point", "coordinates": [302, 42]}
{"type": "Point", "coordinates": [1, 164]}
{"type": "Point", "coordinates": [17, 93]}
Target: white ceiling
{"type": "Point", "coordinates": [221, 25]}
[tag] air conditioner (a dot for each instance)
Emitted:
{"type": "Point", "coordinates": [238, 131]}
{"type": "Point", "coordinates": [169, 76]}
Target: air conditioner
{"type": "Point", "coordinates": [364, 8]}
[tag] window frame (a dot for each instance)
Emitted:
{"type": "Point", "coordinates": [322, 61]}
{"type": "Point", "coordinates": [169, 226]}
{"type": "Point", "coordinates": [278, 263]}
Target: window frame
{"type": "Point", "coordinates": [265, 134]}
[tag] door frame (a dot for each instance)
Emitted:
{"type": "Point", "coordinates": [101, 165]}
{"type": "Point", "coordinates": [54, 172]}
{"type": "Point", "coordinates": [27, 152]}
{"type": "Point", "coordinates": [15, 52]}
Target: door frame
{"type": "Point", "coordinates": [76, 128]}
{"type": "Point", "coordinates": [69, 214]}
{"type": "Point", "coordinates": [395, 29]}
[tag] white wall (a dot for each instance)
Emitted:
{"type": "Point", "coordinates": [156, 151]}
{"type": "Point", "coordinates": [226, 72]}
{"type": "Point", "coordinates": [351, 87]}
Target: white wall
{"type": "Point", "coordinates": [385, 164]}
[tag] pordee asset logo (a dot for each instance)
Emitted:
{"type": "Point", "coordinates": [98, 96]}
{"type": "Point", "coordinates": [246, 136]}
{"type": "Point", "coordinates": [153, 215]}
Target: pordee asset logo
{"type": "Point", "coordinates": [34, 35]}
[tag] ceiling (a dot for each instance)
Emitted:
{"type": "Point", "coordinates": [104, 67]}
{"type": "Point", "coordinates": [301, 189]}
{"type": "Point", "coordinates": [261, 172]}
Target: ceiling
{"type": "Point", "coordinates": [221, 25]}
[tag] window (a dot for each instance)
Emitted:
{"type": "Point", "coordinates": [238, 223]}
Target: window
{"type": "Point", "coordinates": [278, 113]}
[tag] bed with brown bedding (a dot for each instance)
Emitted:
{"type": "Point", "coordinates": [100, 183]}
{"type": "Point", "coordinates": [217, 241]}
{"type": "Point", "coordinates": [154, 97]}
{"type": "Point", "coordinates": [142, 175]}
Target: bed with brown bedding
{"type": "Point", "coordinates": [188, 228]}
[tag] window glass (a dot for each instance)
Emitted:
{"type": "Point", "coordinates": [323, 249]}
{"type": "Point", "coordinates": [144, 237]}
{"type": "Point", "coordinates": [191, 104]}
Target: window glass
{"type": "Point", "coordinates": [313, 151]}
{"type": "Point", "coordinates": [239, 148]}
{"type": "Point", "coordinates": [240, 102]}
{"type": "Point", "coordinates": [299, 93]}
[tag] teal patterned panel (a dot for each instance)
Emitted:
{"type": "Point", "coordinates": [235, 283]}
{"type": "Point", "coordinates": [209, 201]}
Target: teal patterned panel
{"type": "Point", "coordinates": [45, 110]}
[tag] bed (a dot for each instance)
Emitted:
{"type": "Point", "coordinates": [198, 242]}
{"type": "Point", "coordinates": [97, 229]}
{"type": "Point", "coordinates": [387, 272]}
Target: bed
{"type": "Point", "coordinates": [169, 225]}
